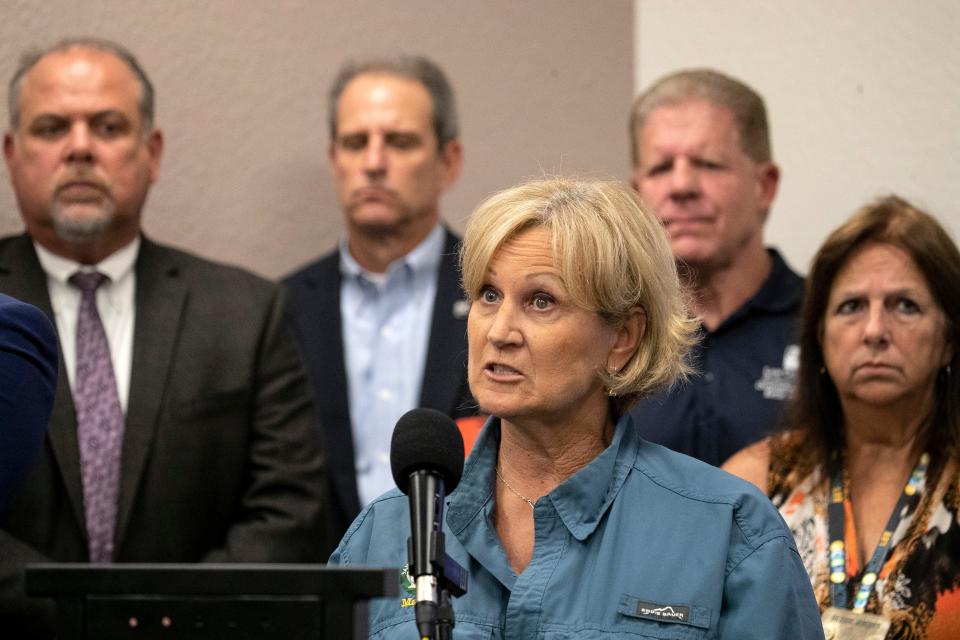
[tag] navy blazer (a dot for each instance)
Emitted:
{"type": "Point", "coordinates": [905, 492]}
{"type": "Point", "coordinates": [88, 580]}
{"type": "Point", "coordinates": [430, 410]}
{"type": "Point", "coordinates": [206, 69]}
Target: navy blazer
{"type": "Point", "coordinates": [28, 380]}
{"type": "Point", "coordinates": [314, 297]}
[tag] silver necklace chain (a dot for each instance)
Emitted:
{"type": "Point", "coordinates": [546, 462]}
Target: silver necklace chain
{"type": "Point", "coordinates": [514, 491]}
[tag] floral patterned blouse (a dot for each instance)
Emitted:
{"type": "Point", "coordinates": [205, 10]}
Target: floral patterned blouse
{"type": "Point", "coordinates": [919, 585]}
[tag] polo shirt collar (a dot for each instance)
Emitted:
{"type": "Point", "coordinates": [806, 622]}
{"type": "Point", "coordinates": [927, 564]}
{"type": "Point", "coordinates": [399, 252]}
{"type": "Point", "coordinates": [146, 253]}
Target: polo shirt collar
{"type": "Point", "coordinates": [781, 292]}
{"type": "Point", "coordinates": [773, 295]}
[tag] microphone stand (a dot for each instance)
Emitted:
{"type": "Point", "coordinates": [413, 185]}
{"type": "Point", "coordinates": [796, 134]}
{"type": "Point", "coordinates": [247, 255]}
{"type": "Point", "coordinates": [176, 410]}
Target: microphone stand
{"type": "Point", "coordinates": [434, 616]}
{"type": "Point", "coordinates": [436, 621]}
{"type": "Point", "coordinates": [445, 617]}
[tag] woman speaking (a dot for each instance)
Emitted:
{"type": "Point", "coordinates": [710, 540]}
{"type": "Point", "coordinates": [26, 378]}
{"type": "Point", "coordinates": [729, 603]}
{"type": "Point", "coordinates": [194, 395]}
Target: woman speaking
{"type": "Point", "coordinates": [569, 524]}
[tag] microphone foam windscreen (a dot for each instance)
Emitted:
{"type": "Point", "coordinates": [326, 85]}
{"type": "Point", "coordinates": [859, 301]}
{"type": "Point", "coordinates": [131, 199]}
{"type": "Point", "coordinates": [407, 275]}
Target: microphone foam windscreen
{"type": "Point", "coordinates": [425, 439]}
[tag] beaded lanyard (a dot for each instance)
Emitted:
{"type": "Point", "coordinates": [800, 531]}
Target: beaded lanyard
{"type": "Point", "coordinates": [838, 556]}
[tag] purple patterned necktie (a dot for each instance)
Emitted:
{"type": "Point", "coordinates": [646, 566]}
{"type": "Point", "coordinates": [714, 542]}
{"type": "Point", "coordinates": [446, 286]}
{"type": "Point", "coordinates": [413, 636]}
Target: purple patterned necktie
{"type": "Point", "coordinates": [99, 420]}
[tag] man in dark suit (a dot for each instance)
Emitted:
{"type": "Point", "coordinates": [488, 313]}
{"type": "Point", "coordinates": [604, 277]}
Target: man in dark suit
{"type": "Point", "coordinates": [182, 429]}
{"type": "Point", "coordinates": [383, 319]}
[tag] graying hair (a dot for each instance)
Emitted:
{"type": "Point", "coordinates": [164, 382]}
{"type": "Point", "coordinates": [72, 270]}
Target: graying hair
{"type": "Point", "coordinates": [30, 58]}
{"type": "Point", "coordinates": [417, 68]}
{"type": "Point", "coordinates": [714, 87]}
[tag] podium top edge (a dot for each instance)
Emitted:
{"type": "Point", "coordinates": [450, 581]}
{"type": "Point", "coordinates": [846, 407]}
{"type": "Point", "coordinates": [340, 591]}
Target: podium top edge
{"type": "Point", "coordinates": [78, 579]}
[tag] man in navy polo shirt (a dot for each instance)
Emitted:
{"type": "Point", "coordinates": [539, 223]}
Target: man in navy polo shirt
{"type": "Point", "coordinates": [701, 158]}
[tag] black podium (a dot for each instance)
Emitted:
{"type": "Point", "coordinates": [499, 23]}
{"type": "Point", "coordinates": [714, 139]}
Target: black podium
{"type": "Point", "coordinates": [201, 601]}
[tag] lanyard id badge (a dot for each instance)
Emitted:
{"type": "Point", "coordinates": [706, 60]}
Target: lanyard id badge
{"type": "Point", "coordinates": [842, 624]}
{"type": "Point", "coordinates": [839, 623]}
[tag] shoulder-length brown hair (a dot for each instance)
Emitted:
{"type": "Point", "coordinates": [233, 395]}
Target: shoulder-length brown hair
{"type": "Point", "coordinates": [815, 414]}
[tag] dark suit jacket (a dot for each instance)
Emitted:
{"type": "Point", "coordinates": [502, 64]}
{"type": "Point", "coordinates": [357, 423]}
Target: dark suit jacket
{"type": "Point", "coordinates": [315, 304]}
{"type": "Point", "coordinates": [28, 379]}
{"type": "Point", "coordinates": [220, 458]}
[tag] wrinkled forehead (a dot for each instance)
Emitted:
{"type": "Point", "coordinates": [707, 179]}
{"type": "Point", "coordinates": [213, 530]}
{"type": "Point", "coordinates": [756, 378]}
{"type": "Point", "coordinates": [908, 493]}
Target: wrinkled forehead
{"type": "Point", "coordinates": [539, 247]}
{"type": "Point", "coordinates": [689, 125]}
{"type": "Point", "coordinates": [384, 99]}
{"type": "Point", "coordinates": [79, 78]}
{"type": "Point", "coordinates": [870, 260]}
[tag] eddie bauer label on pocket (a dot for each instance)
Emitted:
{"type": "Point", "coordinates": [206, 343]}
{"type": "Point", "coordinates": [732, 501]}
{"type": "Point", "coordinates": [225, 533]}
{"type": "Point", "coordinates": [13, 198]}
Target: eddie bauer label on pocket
{"type": "Point", "coordinates": [663, 612]}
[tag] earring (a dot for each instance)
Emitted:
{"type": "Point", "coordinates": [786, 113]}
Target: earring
{"type": "Point", "coordinates": [823, 370]}
{"type": "Point", "coordinates": [611, 372]}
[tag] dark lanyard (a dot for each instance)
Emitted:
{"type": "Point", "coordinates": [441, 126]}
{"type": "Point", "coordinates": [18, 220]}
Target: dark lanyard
{"type": "Point", "coordinates": [837, 553]}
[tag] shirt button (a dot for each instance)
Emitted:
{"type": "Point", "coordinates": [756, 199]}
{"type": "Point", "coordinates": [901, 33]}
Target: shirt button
{"type": "Point", "coordinates": [708, 377]}
{"type": "Point", "coordinates": [385, 394]}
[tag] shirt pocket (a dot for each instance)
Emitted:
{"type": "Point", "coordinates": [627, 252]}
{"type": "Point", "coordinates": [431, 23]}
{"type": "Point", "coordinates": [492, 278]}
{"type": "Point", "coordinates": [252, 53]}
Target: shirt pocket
{"type": "Point", "coordinates": [637, 618]}
{"type": "Point", "coordinates": [651, 617]}
{"type": "Point", "coordinates": [637, 629]}
{"type": "Point", "coordinates": [403, 627]}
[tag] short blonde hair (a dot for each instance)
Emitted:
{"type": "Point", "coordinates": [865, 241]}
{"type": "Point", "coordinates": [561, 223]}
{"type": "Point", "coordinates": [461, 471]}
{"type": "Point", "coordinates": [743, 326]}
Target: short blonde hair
{"type": "Point", "coordinates": [612, 254]}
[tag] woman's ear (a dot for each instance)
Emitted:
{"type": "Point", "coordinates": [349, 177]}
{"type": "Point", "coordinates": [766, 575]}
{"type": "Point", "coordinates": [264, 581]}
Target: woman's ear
{"type": "Point", "coordinates": [948, 353]}
{"type": "Point", "coordinates": [629, 334]}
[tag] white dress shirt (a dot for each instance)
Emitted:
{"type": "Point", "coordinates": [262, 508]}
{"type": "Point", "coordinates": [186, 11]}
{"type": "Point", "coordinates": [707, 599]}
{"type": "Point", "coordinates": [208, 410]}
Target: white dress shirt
{"type": "Point", "coordinates": [115, 304]}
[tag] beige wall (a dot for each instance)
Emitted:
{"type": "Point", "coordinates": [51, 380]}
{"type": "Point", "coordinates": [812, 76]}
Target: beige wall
{"type": "Point", "coordinates": [542, 86]}
{"type": "Point", "coordinates": [864, 98]}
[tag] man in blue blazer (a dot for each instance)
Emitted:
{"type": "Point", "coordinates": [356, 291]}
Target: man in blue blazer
{"type": "Point", "coordinates": [28, 380]}
{"type": "Point", "coordinates": [382, 319]}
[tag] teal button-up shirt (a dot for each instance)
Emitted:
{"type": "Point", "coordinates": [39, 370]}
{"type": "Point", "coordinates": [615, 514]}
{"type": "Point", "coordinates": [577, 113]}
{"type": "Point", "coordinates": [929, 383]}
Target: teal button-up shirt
{"type": "Point", "coordinates": [643, 542]}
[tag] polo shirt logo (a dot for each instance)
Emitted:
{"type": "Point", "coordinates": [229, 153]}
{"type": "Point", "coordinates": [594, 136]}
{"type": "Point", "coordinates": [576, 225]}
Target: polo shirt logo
{"type": "Point", "coordinates": [461, 309]}
{"type": "Point", "coordinates": [776, 383]}
{"type": "Point", "coordinates": [408, 588]}
{"type": "Point", "coordinates": [663, 612]}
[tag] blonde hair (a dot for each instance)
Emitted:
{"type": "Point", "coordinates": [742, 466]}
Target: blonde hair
{"type": "Point", "coordinates": [613, 256]}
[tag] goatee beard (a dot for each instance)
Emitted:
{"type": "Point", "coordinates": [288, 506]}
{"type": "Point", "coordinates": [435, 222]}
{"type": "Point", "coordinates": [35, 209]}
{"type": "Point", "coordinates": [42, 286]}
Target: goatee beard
{"type": "Point", "coordinates": [82, 229]}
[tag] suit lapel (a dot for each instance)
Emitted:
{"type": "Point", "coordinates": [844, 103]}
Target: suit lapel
{"type": "Point", "coordinates": [317, 299]}
{"type": "Point", "coordinates": [22, 277]}
{"type": "Point", "coordinates": [160, 299]}
{"type": "Point", "coordinates": [444, 370]}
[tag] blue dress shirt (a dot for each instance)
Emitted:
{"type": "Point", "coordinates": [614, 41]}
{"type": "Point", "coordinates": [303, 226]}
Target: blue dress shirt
{"type": "Point", "coordinates": [641, 543]}
{"type": "Point", "coordinates": [386, 331]}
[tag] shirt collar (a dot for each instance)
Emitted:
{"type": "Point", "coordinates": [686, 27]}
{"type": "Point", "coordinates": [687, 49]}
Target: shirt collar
{"type": "Point", "coordinates": [115, 266]}
{"type": "Point", "coordinates": [584, 497]}
{"type": "Point", "coordinates": [580, 501]}
{"type": "Point", "coordinates": [781, 292]}
{"type": "Point", "coordinates": [424, 257]}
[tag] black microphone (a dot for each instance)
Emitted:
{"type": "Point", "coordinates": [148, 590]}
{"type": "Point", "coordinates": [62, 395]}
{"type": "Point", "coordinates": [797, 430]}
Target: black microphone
{"type": "Point", "coordinates": [426, 458]}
